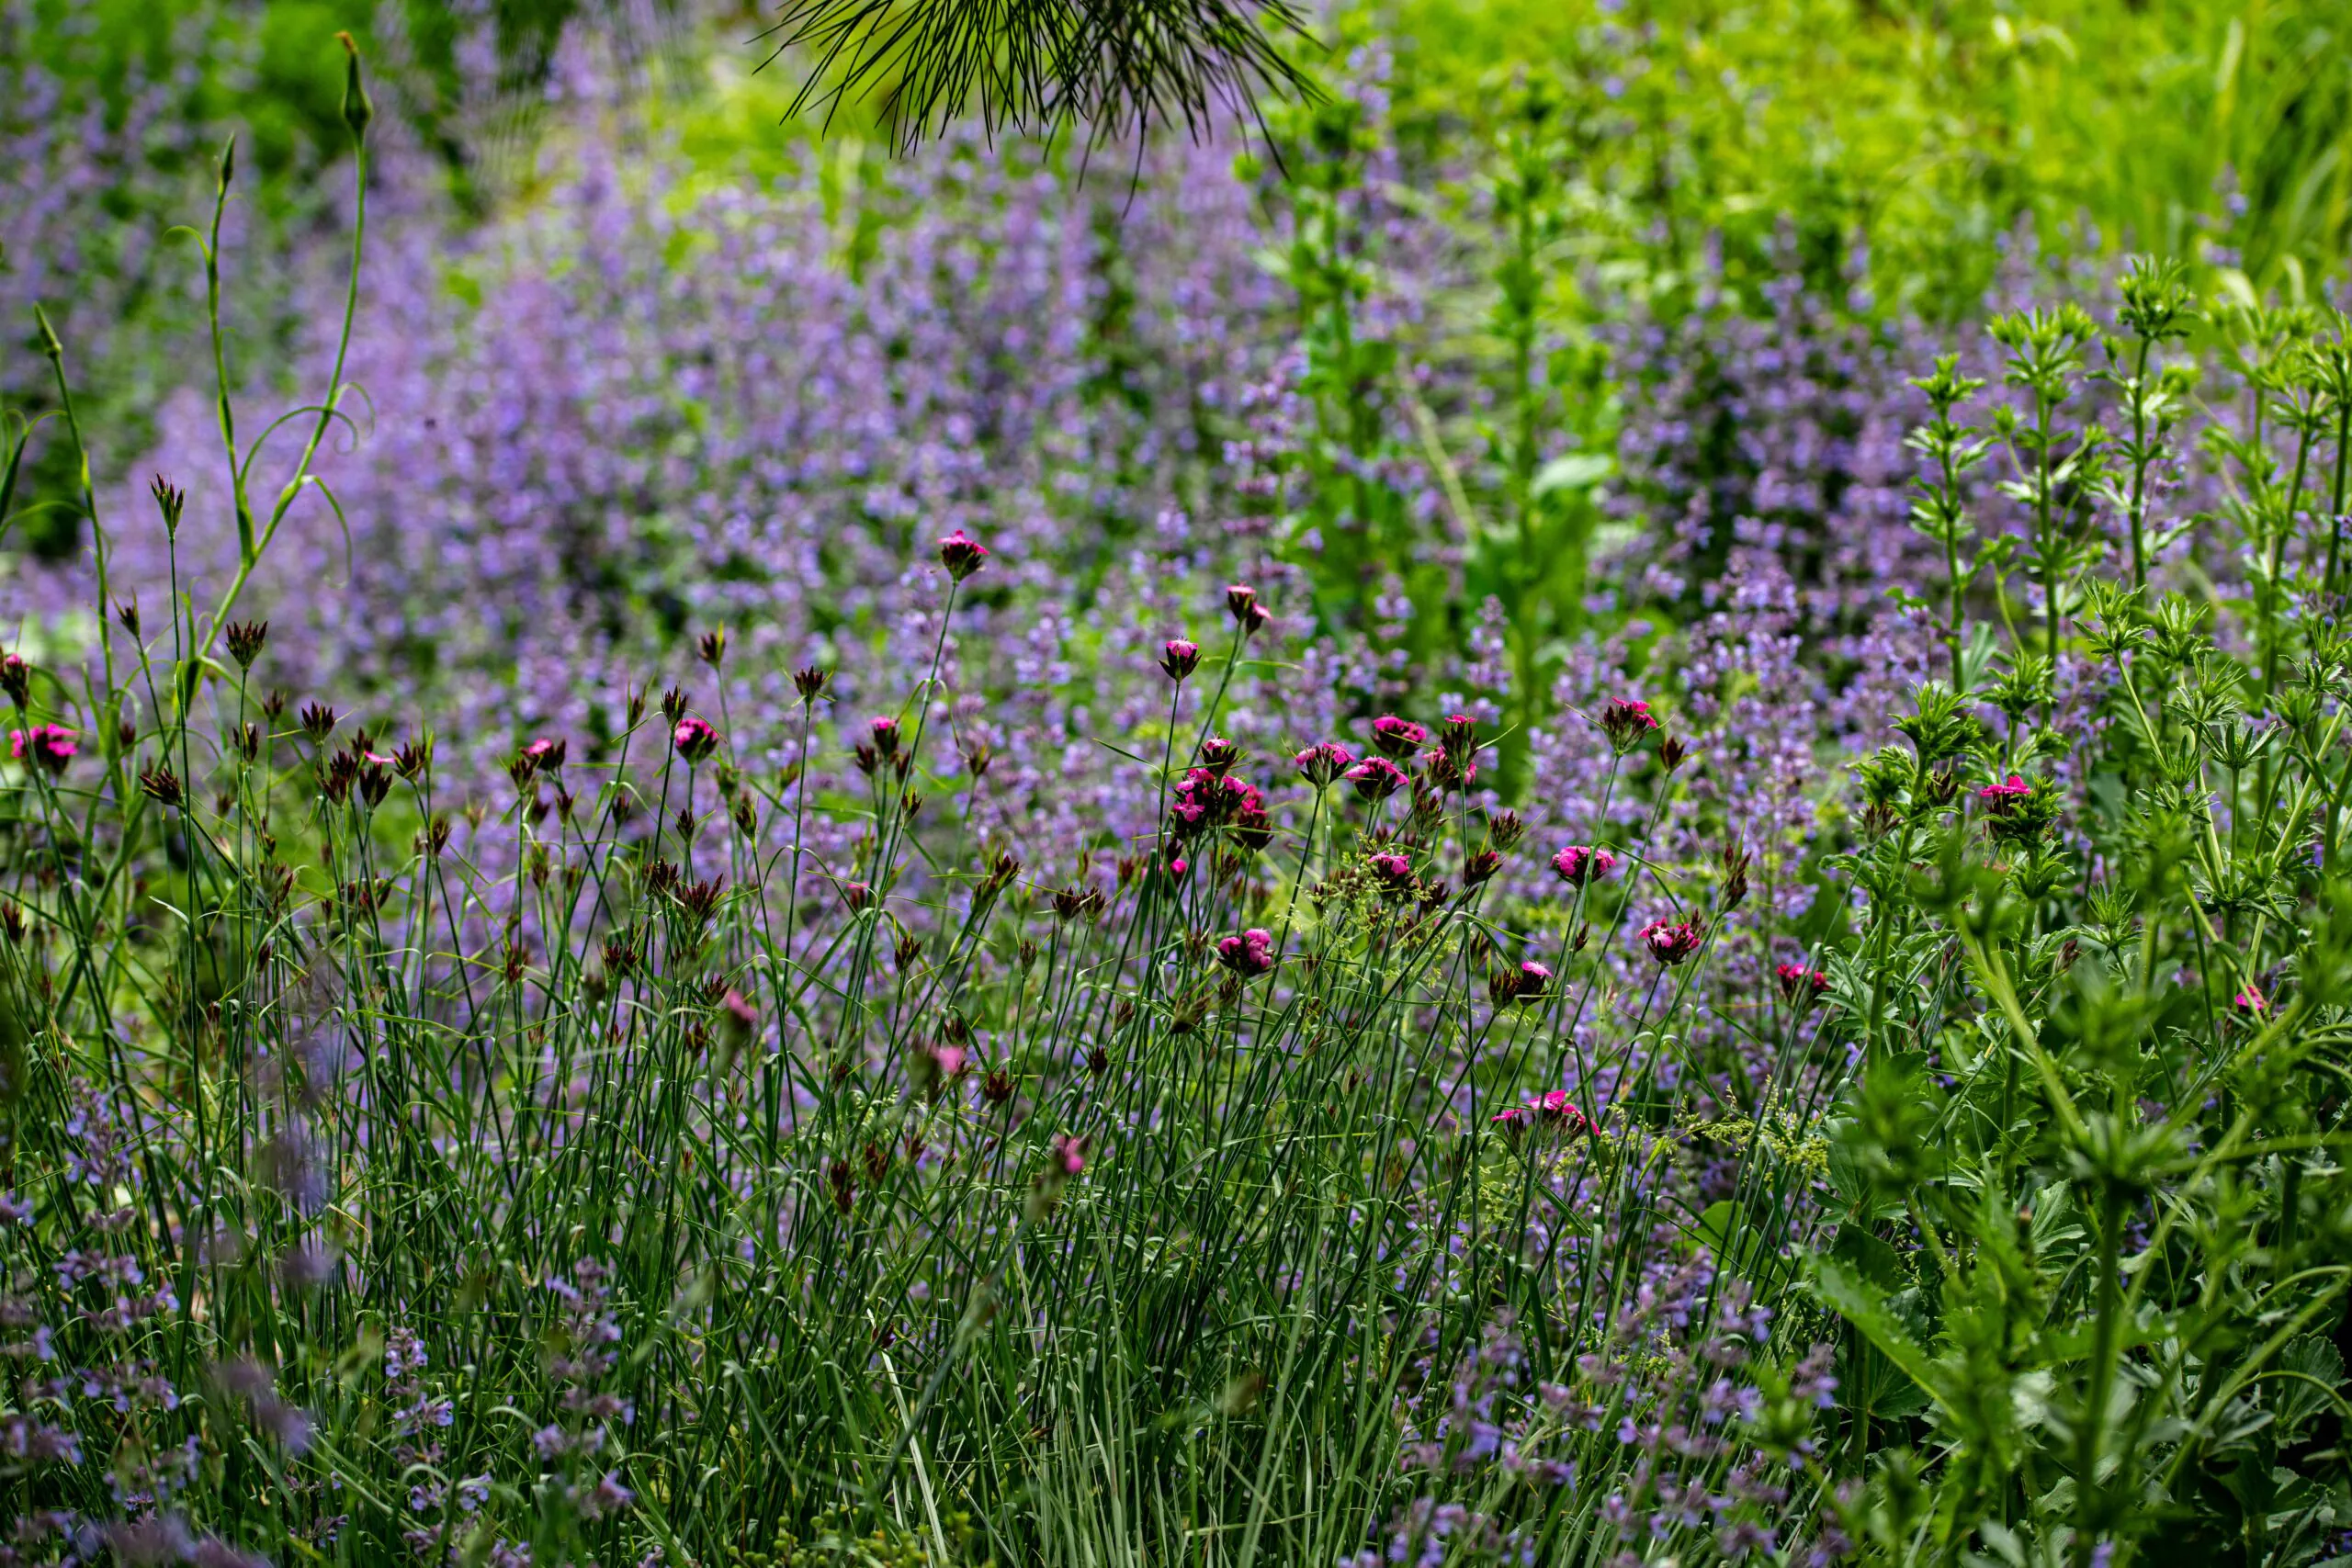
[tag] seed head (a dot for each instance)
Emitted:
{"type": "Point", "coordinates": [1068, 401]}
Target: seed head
{"type": "Point", "coordinates": [245, 639]}
{"type": "Point", "coordinates": [171, 501]}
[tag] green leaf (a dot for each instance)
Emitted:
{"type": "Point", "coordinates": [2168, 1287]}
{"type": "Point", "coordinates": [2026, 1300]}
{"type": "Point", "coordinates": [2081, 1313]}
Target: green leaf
{"type": "Point", "coordinates": [1578, 470]}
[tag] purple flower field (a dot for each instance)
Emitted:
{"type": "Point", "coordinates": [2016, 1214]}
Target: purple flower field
{"type": "Point", "coordinates": [976, 861]}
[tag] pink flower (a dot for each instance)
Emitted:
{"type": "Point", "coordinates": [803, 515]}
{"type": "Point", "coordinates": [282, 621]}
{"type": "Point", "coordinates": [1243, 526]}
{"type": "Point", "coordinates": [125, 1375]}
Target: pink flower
{"type": "Point", "coordinates": [1580, 864]}
{"type": "Point", "coordinates": [1554, 1110]}
{"type": "Point", "coordinates": [50, 745]}
{"type": "Point", "coordinates": [1459, 735]}
{"type": "Point", "coordinates": [1248, 614]}
{"type": "Point", "coordinates": [1069, 1153]}
{"type": "Point", "coordinates": [1395, 871]}
{"type": "Point", "coordinates": [545, 753]}
{"type": "Point", "coordinates": [1627, 722]}
{"type": "Point", "coordinates": [695, 739]}
{"type": "Point", "coordinates": [1397, 738]}
{"type": "Point", "coordinates": [1796, 979]}
{"type": "Point", "coordinates": [1670, 943]}
{"type": "Point", "coordinates": [2251, 999]}
{"type": "Point", "coordinates": [1177, 866]}
{"type": "Point", "coordinates": [1446, 770]}
{"type": "Point", "coordinates": [1376, 778]}
{"type": "Point", "coordinates": [1534, 979]}
{"type": "Point", "coordinates": [1999, 798]}
{"type": "Point", "coordinates": [736, 1014]}
{"type": "Point", "coordinates": [1180, 658]}
{"type": "Point", "coordinates": [1249, 954]}
{"type": "Point", "coordinates": [1324, 762]}
{"type": "Point", "coordinates": [962, 555]}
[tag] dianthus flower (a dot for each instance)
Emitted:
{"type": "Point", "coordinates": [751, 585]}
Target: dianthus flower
{"type": "Point", "coordinates": [1670, 943]}
{"type": "Point", "coordinates": [1323, 762]}
{"type": "Point", "coordinates": [1178, 657]}
{"type": "Point", "coordinates": [1376, 778]}
{"type": "Point", "coordinates": [1397, 738]}
{"type": "Point", "coordinates": [1580, 864]}
{"type": "Point", "coordinates": [50, 745]}
{"type": "Point", "coordinates": [1627, 722]}
{"type": "Point", "coordinates": [1797, 979]}
{"type": "Point", "coordinates": [1250, 953]}
{"type": "Point", "coordinates": [695, 739]}
{"type": "Point", "coordinates": [1395, 871]}
{"type": "Point", "coordinates": [2000, 798]}
{"type": "Point", "coordinates": [962, 555]}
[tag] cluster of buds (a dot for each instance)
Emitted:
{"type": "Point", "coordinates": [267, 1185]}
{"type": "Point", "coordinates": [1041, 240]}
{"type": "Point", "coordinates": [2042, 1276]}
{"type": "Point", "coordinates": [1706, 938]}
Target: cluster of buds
{"type": "Point", "coordinates": [1734, 888]}
{"type": "Point", "coordinates": [318, 721]}
{"type": "Point", "coordinates": [245, 640]}
{"type": "Point", "coordinates": [160, 784]}
{"type": "Point", "coordinates": [355, 766]}
{"type": "Point", "coordinates": [1207, 798]}
{"type": "Point", "coordinates": [1079, 901]}
{"type": "Point", "coordinates": [882, 748]}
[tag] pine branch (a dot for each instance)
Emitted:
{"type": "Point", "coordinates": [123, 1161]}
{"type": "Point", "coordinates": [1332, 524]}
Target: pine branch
{"type": "Point", "coordinates": [1034, 66]}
